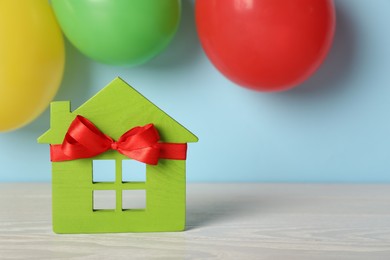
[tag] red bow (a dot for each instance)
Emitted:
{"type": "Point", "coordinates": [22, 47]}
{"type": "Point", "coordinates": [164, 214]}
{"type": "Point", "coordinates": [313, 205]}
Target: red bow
{"type": "Point", "coordinates": [141, 143]}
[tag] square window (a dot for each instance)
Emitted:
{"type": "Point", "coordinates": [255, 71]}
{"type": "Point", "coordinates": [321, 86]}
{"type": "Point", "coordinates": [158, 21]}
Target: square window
{"type": "Point", "coordinates": [133, 199]}
{"type": "Point", "coordinates": [133, 171]}
{"type": "Point", "coordinates": [104, 199]}
{"type": "Point", "coordinates": [103, 170]}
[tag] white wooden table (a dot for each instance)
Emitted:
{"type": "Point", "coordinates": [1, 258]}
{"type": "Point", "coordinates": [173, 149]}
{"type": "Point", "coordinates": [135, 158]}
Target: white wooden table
{"type": "Point", "coordinates": [225, 221]}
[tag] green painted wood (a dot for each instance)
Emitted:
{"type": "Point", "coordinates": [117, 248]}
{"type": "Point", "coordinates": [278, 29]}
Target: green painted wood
{"type": "Point", "coordinates": [114, 110]}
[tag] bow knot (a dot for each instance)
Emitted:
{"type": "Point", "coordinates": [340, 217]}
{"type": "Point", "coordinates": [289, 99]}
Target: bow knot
{"type": "Point", "coordinates": [114, 146]}
{"type": "Point", "coordinates": [84, 140]}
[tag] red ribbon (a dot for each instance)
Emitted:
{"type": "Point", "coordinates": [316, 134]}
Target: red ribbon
{"type": "Point", "coordinates": [141, 143]}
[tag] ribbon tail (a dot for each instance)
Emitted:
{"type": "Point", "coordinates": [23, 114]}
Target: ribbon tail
{"type": "Point", "coordinates": [173, 151]}
{"type": "Point", "coordinates": [57, 154]}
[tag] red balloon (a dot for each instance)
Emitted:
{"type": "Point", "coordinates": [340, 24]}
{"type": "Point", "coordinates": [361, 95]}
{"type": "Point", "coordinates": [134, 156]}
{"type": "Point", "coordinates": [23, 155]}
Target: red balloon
{"type": "Point", "coordinates": [266, 45]}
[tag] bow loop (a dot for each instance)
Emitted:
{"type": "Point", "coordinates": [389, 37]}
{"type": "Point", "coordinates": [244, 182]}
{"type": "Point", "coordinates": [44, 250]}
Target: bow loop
{"type": "Point", "coordinates": [75, 145]}
{"type": "Point", "coordinates": [139, 137]}
{"type": "Point", "coordinates": [141, 144]}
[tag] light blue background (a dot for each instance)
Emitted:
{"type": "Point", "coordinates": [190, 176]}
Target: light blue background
{"type": "Point", "coordinates": [333, 128]}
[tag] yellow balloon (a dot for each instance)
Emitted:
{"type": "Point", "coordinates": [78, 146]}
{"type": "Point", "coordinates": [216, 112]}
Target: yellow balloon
{"type": "Point", "coordinates": [32, 59]}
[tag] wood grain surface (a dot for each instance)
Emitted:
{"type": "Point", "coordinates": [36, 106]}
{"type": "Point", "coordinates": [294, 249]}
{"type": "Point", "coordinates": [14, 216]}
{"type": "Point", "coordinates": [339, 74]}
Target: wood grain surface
{"type": "Point", "coordinates": [224, 221]}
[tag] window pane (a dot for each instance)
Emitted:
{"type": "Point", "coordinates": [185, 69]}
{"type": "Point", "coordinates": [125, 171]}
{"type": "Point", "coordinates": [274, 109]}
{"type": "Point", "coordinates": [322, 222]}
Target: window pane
{"type": "Point", "coordinates": [104, 199]}
{"type": "Point", "coordinates": [103, 170]}
{"type": "Point", "coordinates": [133, 199]}
{"type": "Point", "coordinates": [133, 171]}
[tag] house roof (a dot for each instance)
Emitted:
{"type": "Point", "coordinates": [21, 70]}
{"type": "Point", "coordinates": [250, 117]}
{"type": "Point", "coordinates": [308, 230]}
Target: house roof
{"type": "Point", "coordinates": [114, 110]}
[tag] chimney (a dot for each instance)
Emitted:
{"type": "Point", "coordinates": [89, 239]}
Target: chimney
{"type": "Point", "coordinates": [60, 118]}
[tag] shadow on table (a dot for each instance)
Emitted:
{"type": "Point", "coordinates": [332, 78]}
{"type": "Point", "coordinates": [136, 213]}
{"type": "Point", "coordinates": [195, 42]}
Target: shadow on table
{"type": "Point", "coordinates": [220, 209]}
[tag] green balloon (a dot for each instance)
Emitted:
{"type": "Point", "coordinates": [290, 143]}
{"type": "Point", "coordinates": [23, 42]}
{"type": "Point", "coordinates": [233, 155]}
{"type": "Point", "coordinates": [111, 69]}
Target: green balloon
{"type": "Point", "coordinates": [119, 32]}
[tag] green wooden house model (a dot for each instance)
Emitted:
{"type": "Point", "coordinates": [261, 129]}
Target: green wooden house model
{"type": "Point", "coordinates": [114, 110]}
